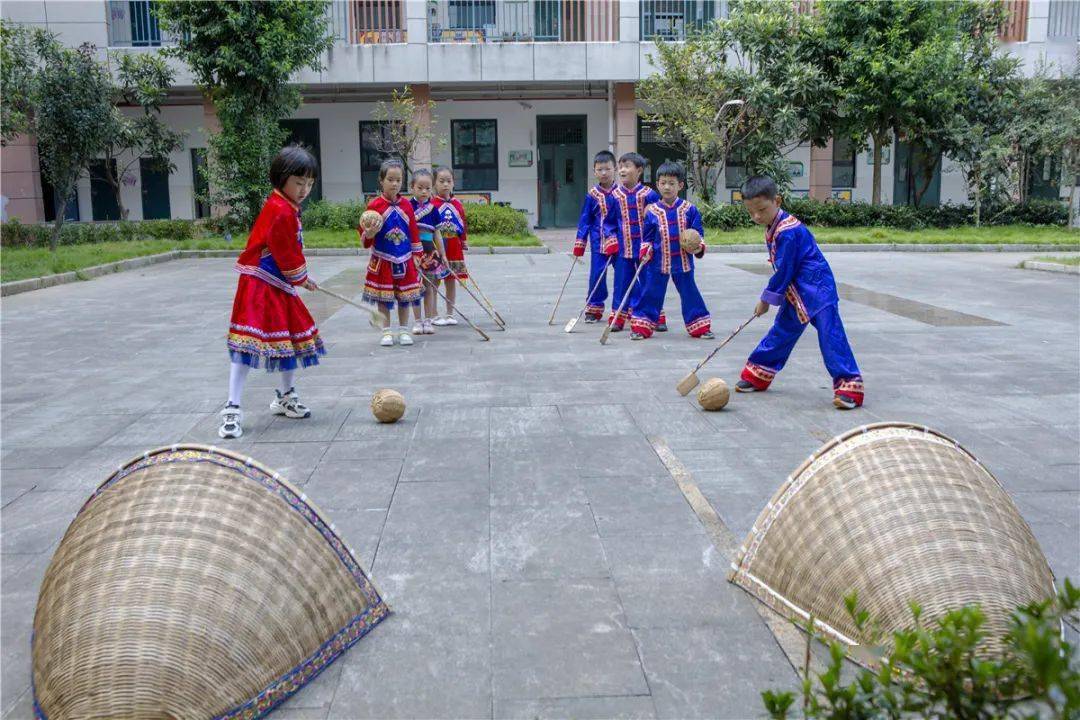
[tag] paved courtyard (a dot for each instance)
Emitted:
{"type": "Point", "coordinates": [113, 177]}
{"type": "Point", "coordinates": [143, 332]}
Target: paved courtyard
{"type": "Point", "coordinates": [539, 556]}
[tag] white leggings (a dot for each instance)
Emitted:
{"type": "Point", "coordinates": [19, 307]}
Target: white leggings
{"type": "Point", "coordinates": [238, 373]}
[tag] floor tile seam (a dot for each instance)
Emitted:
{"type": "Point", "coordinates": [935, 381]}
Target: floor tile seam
{"type": "Point", "coordinates": [491, 577]}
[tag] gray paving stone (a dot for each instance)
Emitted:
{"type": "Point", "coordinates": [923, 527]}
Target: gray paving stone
{"type": "Point", "coordinates": [513, 422]}
{"type": "Point", "coordinates": [86, 472]}
{"type": "Point", "coordinates": [361, 424]}
{"type": "Point", "coordinates": [368, 448]}
{"type": "Point", "coordinates": [557, 542]}
{"type": "Point", "coordinates": [37, 520]}
{"type": "Point", "coordinates": [562, 639]}
{"type": "Point", "coordinates": [618, 707]}
{"type": "Point", "coordinates": [46, 456]}
{"type": "Point", "coordinates": [452, 423]}
{"type": "Point", "coordinates": [155, 430]}
{"type": "Point", "coordinates": [449, 459]}
{"type": "Point", "coordinates": [640, 505]}
{"type": "Point", "coordinates": [616, 456]}
{"type": "Point", "coordinates": [294, 461]}
{"type": "Point", "coordinates": [351, 485]}
{"type": "Point", "coordinates": [598, 420]}
{"type": "Point", "coordinates": [19, 481]}
{"type": "Point", "coordinates": [712, 671]}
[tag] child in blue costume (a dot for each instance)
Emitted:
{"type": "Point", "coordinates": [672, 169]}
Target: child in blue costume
{"type": "Point", "coordinates": [631, 198]}
{"type": "Point", "coordinates": [597, 228]}
{"type": "Point", "coordinates": [802, 285]}
{"type": "Point", "coordinates": [431, 266]}
{"type": "Point", "coordinates": [664, 258]}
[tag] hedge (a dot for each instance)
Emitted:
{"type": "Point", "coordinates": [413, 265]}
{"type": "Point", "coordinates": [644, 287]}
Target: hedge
{"type": "Point", "coordinates": [902, 217]}
{"type": "Point", "coordinates": [15, 234]}
{"type": "Point", "coordinates": [488, 219]}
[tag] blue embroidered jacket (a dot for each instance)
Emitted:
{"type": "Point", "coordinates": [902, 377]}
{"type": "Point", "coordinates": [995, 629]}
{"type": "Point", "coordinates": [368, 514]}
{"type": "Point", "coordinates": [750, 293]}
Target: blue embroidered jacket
{"type": "Point", "coordinates": [399, 238]}
{"type": "Point", "coordinates": [663, 225]}
{"type": "Point", "coordinates": [801, 275]}
{"type": "Point", "coordinates": [631, 204]}
{"type": "Point", "coordinates": [427, 219]}
{"type": "Point", "coordinates": [598, 223]}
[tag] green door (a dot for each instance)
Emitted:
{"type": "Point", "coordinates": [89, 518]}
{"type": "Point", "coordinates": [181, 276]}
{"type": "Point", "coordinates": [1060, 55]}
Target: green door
{"type": "Point", "coordinates": [103, 203]}
{"type": "Point", "coordinates": [563, 171]}
{"type": "Point", "coordinates": [306, 133]}
{"type": "Point", "coordinates": [909, 177]}
{"type": "Point", "coordinates": [155, 191]}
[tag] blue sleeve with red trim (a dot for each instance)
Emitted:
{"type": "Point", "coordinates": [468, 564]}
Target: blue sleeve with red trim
{"type": "Point", "coordinates": [785, 265]}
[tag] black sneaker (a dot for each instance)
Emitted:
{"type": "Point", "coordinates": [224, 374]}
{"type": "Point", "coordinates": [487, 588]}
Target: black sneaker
{"type": "Point", "coordinates": [616, 328]}
{"type": "Point", "coordinates": [661, 327]}
{"type": "Point", "coordinates": [745, 386]}
{"type": "Point", "coordinates": [844, 402]}
{"type": "Point", "coordinates": [589, 319]}
{"type": "Point", "coordinates": [707, 335]}
{"type": "Point", "coordinates": [637, 336]}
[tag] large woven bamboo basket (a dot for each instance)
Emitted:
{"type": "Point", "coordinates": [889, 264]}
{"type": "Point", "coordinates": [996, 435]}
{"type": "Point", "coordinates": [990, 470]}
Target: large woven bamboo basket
{"type": "Point", "coordinates": [897, 513]}
{"type": "Point", "coordinates": [194, 583]}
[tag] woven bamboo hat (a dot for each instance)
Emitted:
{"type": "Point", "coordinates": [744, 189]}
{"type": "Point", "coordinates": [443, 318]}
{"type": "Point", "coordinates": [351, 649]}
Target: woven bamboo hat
{"type": "Point", "coordinates": [897, 513]}
{"type": "Point", "coordinates": [194, 583]}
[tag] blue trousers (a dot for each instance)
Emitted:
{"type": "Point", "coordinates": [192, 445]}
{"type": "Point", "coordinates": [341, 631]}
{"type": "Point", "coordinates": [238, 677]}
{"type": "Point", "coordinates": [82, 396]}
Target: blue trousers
{"type": "Point", "coordinates": [598, 268]}
{"type": "Point", "coordinates": [624, 275]}
{"type": "Point", "coordinates": [651, 301]}
{"type": "Point", "coordinates": [775, 348]}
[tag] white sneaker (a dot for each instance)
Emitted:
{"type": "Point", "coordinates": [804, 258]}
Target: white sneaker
{"type": "Point", "coordinates": [427, 329]}
{"type": "Point", "coordinates": [288, 405]}
{"type": "Point", "coordinates": [387, 338]}
{"type": "Point", "coordinates": [418, 328]}
{"type": "Point", "coordinates": [451, 320]}
{"type": "Point", "coordinates": [230, 422]}
{"type": "Point", "coordinates": [405, 338]}
{"type": "Point", "coordinates": [440, 321]}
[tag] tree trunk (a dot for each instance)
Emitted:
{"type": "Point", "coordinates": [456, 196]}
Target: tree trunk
{"type": "Point", "coordinates": [978, 196]}
{"type": "Point", "coordinates": [114, 183]}
{"type": "Point", "coordinates": [928, 176]}
{"type": "Point", "coordinates": [61, 215]}
{"type": "Point", "coordinates": [1072, 206]}
{"type": "Point", "coordinates": [875, 198]}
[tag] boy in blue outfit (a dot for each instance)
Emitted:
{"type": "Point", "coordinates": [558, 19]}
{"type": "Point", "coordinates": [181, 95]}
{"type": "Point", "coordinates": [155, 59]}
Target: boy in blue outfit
{"type": "Point", "coordinates": [631, 198]}
{"type": "Point", "coordinates": [597, 228]}
{"type": "Point", "coordinates": [664, 258]}
{"type": "Point", "coordinates": [802, 285]}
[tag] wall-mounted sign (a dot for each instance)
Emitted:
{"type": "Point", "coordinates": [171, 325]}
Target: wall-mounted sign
{"type": "Point", "coordinates": [736, 196]}
{"type": "Point", "coordinates": [520, 158]}
{"type": "Point", "coordinates": [885, 153]}
{"type": "Point", "coordinates": [797, 169]}
{"type": "Point", "coordinates": [841, 196]}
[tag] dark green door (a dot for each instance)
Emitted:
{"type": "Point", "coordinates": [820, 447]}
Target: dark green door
{"type": "Point", "coordinates": [563, 171]}
{"type": "Point", "coordinates": [656, 154]}
{"type": "Point", "coordinates": [103, 203]}
{"type": "Point", "coordinates": [306, 133]}
{"type": "Point", "coordinates": [200, 186]}
{"type": "Point", "coordinates": [155, 191]}
{"type": "Point", "coordinates": [910, 176]}
{"type": "Point", "coordinates": [1044, 174]}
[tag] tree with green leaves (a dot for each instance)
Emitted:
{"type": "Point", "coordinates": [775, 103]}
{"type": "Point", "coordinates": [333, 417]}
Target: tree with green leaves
{"type": "Point", "coordinates": [898, 66]}
{"type": "Point", "coordinates": [71, 97]}
{"type": "Point", "coordinates": [242, 55]}
{"type": "Point", "coordinates": [746, 85]}
{"type": "Point", "coordinates": [409, 125]}
{"type": "Point", "coordinates": [143, 81]}
{"type": "Point", "coordinates": [18, 61]}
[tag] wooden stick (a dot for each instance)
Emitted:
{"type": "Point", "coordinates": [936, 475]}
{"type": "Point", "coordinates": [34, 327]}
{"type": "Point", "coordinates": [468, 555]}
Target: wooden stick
{"type": "Point", "coordinates": [432, 285]}
{"type": "Point", "coordinates": [373, 315]}
{"type": "Point", "coordinates": [574, 321]}
{"type": "Point", "coordinates": [691, 381]}
{"type": "Point", "coordinates": [622, 306]}
{"type": "Point", "coordinates": [473, 296]}
{"type": "Point", "coordinates": [573, 264]}
{"type": "Point", "coordinates": [498, 317]}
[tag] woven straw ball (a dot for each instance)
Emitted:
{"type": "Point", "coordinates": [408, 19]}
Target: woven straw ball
{"type": "Point", "coordinates": [690, 241]}
{"type": "Point", "coordinates": [714, 394]}
{"type": "Point", "coordinates": [387, 405]}
{"type": "Point", "coordinates": [371, 221]}
{"type": "Point", "coordinates": [897, 513]}
{"type": "Point", "coordinates": [194, 583]}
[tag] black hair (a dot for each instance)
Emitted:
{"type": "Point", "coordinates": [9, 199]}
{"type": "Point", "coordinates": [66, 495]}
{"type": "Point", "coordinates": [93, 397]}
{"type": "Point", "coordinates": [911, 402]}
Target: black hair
{"type": "Point", "coordinates": [604, 156]}
{"type": "Point", "coordinates": [444, 169]}
{"type": "Point", "coordinates": [632, 157]}
{"type": "Point", "coordinates": [389, 164]}
{"type": "Point", "coordinates": [419, 173]}
{"type": "Point", "coordinates": [760, 186]}
{"type": "Point", "coordinates": [292, 160]}
{"type": "Point", "coordinates": [672, 169]}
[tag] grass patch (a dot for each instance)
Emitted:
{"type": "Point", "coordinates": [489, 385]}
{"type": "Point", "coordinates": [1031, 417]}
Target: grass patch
{"type": "Point", "coordinates": [1003, 235]}
{"type": "Point", "coordinates": [1061, 259]}
{"type": "Point", "coordinates": [19, 263]}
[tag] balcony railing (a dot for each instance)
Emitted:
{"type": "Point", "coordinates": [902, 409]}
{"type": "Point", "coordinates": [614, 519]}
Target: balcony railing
{"type": "Point", "coordinates": [132, 23]}
{"type": "Point", "coordinates": [523, 21]}
{"type": "Point", "coordinates": [368, 22]}
{"type": "Point", "coordinates": [676, 19]}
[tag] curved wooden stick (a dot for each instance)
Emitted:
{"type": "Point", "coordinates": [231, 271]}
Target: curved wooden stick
{"type": "Point", "coordinates": [473, 296]}
{"type": "Point", "coordinates": [573, 322]}
{"type": "Point", "coordinates": [551, 320]}
{"type": "Point", "coordinates": [622, 305]}
{"type": "Point", "coordinates": [498, 318]}
{"type": "Point", "coordinates": [432, 285]}
{"type": "Point", "coordinates": [373, 317]}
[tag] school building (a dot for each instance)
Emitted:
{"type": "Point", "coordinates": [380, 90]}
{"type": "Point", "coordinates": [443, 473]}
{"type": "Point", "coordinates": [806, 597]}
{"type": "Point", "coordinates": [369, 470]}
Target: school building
{"type": "Point", "coordinates": [526, 92]}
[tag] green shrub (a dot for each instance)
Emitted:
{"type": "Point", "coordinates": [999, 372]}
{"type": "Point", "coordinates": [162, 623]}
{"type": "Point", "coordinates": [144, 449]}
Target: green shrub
{"type": "Point", "coordinates": [327, 215]}
{"type": "Point", "coordinates": [495, 220]}
{"type": "Point", "coordinates": [16, 234]}
{"type": "Point", "coordinates": [944, 671]}
{"type": "Point", "coordinates": [902, 217]}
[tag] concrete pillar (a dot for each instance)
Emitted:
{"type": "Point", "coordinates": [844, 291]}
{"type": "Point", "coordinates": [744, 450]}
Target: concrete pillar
{"type": "Point", "coordinates": [625, 118]}
{"type": "Point", "coordinates": [821, 171]}
{"type": "Point", "coordinates": [416, 21]}
{"type": "Point", "coordinates": [20, 182]}
{"type": "Point", "coordinates": [422, 152]}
